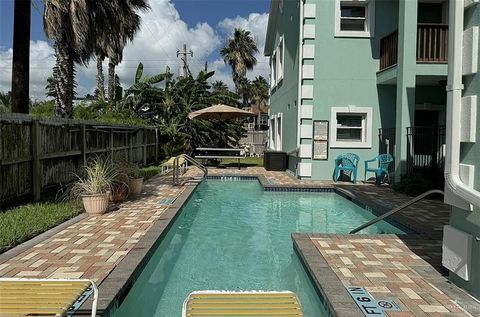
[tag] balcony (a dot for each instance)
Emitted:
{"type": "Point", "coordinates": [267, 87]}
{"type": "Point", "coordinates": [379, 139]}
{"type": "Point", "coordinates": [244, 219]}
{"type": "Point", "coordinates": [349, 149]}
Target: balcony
{"type": "Point", "coordinates": [432, 46]}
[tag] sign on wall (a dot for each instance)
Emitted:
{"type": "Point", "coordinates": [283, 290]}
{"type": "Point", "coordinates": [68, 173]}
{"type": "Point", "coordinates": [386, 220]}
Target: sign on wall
{"type": "Point", "coordinates": [320, 140]}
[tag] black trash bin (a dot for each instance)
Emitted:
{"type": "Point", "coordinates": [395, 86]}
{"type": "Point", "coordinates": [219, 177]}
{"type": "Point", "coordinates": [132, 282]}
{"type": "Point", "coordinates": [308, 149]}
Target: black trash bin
{"type": "Point", "coordinates": [275, 161]}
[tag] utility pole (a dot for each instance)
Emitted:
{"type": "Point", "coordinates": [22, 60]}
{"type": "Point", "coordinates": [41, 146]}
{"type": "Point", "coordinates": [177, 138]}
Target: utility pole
{"type": "Point", "coordinates": [184, 58]}
{"type": "Point", "coordinates": [206, 66]}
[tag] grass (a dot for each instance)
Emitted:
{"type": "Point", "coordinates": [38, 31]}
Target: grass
{"type": "Point", "coordinates": [19, 224]}
{"type": "Point", "coordinates": [150, 171]}
{"type": "Point", "coordinates": [246, 162]}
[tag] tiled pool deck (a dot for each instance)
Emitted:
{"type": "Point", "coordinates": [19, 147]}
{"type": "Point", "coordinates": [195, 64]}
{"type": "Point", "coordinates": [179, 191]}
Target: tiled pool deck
{"type": "Point", "coordinates": [109, 248]}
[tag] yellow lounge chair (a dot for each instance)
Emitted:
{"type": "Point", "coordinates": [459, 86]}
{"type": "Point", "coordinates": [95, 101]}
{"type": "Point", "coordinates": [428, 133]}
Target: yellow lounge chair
{"type": "Point", "coordinates": [44, 297]}
{"type": "Point", "coordinates": [168, 165]}
{"type": "Point", "coordinates": [254, 303]}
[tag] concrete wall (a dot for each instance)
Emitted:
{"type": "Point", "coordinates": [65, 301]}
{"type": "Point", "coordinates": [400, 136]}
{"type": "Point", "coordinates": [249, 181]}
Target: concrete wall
{"type": "Point", "coordinates": [346, 74]}
{"type": "Point", "coordinates": [284, 96]}
{"type": "Point", "coordinates": [470, 154]}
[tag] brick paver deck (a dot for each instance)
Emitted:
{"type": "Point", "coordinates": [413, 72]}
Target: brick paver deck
{"type": "Point", "coordinates": [93, 247]}
{"type": "Point", "coordinates": [388, 269]}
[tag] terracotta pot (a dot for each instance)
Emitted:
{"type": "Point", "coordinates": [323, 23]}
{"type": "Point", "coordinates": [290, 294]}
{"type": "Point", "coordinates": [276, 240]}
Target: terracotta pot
{"type": "Point", "coordinates": [95, 204]}
{"type": "Point", "coordinates": [135, 186]}
{"type": "Point", "coordinates": [119, 192]}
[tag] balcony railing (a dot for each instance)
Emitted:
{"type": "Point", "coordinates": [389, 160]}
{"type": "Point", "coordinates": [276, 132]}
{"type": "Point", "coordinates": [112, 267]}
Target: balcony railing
{"type": "Point", "coordinates": [432, 45]}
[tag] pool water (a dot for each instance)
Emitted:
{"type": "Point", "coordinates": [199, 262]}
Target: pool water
{"type": "Point", "coordinates": [233, 235]}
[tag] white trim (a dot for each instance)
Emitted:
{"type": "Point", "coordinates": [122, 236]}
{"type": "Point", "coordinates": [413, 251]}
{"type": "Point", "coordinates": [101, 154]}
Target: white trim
{"type": "Point", "coordinates": [308, 71]}
{"type": "Point", "coordinates": [307, 91]}
{"type": "Point", "coordinates": [279, 136]}
{"type": "Point", "coordinates": [273, 70]}
{"type": "Point", "coordinates": [309, 31]}
{"type": "Point", "coordinates": [306, 131]}
{"type": "Point", "coordinates": [370, 18]}
{"type": "Point", "coordinates": [308, 51]}
{"type": "Point", "coordinates": [306, 111]}
{"type": "Point", "coordinates": [305, 151]}
{"type": "Point", "coordinates": [280, 59]}
{"type": "Point", "coordinates": [470, 51]}
{"type": "Point", "coordinates": [305, 169]}
{"type": "Point", "coordinates": [366, 127]}
{"type": "Point", "coordinates": [299, 75]}
{"type": "Point", "coordinates": [310, 11]}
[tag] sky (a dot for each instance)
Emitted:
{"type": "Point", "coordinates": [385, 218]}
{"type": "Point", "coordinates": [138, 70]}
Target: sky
{"type": "Point", "coordinates": [204, 25]}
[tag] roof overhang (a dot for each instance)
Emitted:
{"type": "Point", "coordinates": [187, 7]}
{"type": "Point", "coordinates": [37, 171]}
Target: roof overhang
{"type": "Point", "coordinates": [272, 23]}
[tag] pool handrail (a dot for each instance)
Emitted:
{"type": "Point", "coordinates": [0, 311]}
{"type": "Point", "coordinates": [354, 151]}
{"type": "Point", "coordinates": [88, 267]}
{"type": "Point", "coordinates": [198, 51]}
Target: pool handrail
{"type": "Point", "coordinates": [176, 167]}
{"type": "Point", "coordinates": [397, 209]}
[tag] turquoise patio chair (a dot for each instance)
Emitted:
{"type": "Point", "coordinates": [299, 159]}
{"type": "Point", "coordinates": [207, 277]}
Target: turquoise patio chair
{"type": "Point", "coordinates": [347, 162]}
{"type": "Point", "coordinates": [383, 161]}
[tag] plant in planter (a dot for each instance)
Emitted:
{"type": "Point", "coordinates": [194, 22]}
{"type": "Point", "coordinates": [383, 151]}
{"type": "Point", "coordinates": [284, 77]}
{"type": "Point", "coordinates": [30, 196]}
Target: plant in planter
{"type": "Point", "coordinates": [95, 187]}
{"type": "Point", "coordinates": [135, 177]}
{"type": "Point", "coordinates": [119, 189]}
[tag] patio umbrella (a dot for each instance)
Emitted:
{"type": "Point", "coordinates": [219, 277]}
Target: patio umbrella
{"type": "Point", "coordinates": [220, 112]}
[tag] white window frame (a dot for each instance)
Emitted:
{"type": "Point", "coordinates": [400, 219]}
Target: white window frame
{"type": "Point", "coordinates": [280, 54]}
{"type": "Point", "coordinates": [370, 18]}
{"type": "Point", "coordinates": [367, 123]}
{"type": "Point", "coordinates": [273, 70]}
{"type": "Point", "coordinates": [272, 129]}
{"type": "Point", "coordinates": [279, 130]}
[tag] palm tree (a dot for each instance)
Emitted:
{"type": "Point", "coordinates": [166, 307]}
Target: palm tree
{"type": "Point", "coordinates": [68, 23]}
{"type": "Point", "coordinates": [259, 91]}
{"type": "Point", "coordinates": [21, 56]}
{"type": "Point", "coordinates": [239, 53]}
{"type": "Point", "coordinates": [124, 23]}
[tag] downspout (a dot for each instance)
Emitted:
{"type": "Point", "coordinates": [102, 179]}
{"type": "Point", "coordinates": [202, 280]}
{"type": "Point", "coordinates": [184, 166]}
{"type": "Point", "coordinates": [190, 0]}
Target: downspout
{"type": "Point", "coordinates": [454, 99]}
{"type": "Point", "coordinates": [300, 64]}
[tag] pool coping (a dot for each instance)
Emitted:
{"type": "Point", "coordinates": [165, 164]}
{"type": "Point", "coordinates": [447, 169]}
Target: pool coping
{"type": "Point", "coordinates": [118, 283]}
{"type": "Point", "coordinates": [334, 295]}
{"type": "Point", "coordinates": [115, 287]}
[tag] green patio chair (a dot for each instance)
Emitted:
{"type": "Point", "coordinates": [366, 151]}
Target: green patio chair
{"type": "Point", "coordinates": [347, 162]}
{"type": "Point", "coordinates": [383, 162]}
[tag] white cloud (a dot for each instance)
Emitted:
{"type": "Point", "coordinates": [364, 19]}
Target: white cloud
{"type": "Point", "coordinates": [155, 45]}
{"type": "Point", "coordinates": [41, 62]}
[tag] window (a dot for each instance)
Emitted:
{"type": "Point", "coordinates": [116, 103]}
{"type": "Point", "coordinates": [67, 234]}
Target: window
{"type": "Point", "coordinates": [263, 119]}
{"type": "Point", "coordinates": [279, 133]}
{"type": "Point", "coordinates": [354, 18]}
{"type": "Point", "coordinates": [276, 63]}
{"type": "Point", "coordinates": [272, 133]}
{"type": "Point", "coordinates": [273, 70]}
{"type": "Point", "coordinates": [351, 127]}
{"type": "Point", "coordinates": [280, 59]}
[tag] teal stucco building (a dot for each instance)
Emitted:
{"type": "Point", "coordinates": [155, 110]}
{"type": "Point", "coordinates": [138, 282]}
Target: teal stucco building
{"type": "Point", "coordinates": [359, 76]}
{"type": "Point", "coordinates": [372, 77]}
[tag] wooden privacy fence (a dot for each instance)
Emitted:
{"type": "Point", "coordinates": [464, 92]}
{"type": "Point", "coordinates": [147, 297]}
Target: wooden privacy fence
{"type": "Point", "coordinates": [40, 154]}
{"type": "Point", "coordinates": [256, 140]}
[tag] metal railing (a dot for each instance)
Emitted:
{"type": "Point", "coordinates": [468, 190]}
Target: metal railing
{"type": "Point", "coordinates": [397, 209]}
{"type": "Point", "coordinates": [425, 148]}
{"type": "Point", "coordinates": [176, 167]}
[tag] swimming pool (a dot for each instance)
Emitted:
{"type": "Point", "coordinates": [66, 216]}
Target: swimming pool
{"type": "Point", "coordinates": [233, 235]}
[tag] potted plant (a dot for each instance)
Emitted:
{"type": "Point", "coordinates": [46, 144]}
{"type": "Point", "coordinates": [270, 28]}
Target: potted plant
{"type": "Point", "coordinates": [95, 187]}
{"type": "Point", "coordinates": [133, 174]}
{"type": "Point", "coordinates": [119, 189]}
{"type": "Point", "coordinates": [135, 179]}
